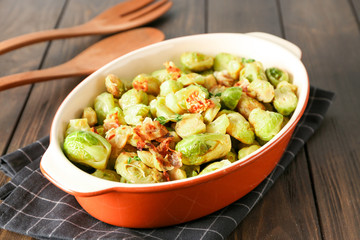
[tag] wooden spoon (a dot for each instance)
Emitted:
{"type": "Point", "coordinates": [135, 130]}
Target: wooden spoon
{"type": "Point", "coordinates": [90, 59]}
{"type": "Point", "coordinates": [123, 16]}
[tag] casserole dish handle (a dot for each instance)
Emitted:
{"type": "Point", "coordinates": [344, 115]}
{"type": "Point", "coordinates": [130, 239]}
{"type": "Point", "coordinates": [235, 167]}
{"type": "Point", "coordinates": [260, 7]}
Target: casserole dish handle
{"type": "Point", "coordinates": [277, 40]}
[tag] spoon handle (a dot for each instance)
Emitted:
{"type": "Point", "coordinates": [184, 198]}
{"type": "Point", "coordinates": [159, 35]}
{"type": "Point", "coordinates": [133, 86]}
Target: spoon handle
{"type": "Point", "coordinates": [59, 71]}
{"type": "Point", "coordinates": [35, 37]}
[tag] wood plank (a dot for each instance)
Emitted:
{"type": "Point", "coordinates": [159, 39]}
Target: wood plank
{"type": "Point", "coordinates": [18, 17]}
{"type": "Point", "coordinates": [289, 209]}
{"type": "Point", "coordinates": [329, 37]}
{"type": "Point", "coordinates": [293, 213]}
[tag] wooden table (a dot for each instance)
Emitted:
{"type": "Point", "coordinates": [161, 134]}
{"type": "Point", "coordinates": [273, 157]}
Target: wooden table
{"type": "Point", "coordinates": [318, 197]}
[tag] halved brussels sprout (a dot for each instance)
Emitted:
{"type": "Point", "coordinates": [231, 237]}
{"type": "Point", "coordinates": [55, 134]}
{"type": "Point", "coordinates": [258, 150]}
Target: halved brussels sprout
{"type": "Point", "coordinates": [190, 124]}
{"type": "Point", "coordinates": [219, 125]}
{"type": "Point", "coordinates": [230, 97]}
{"type": "Point", "coordinates": [240, 128]}
{"type": "Point", "coordinates": [117, 137]}
{"type": "Point", "coordinates": [261, 90]}
{"type": "Point", "coordinates": [246, 104]}
{"type": "Point", "coordinates": [135, 114]}
{"type": "Point", "coordinates": [285, 101]}
{"type": "Point", "coordinates": [114, 85]}
{"type": "Point", "coordinates": [90, 114]}
{"type": "Point", "coordinates": [146, 83]}
{"type": "Point", "coordinates": [287, 86]}
{"type": "Point", "coordinates": [154, 161]}
{"type": "Point", "coordinates": [130, 167]}
{"type": "Point", "coordinates": [276, 75]}
{"type": "Point", "coordinates": [133, 97]}
{"type": "Point", "coordinates": [107, 174]}
{"type": "Point", "coordinates": [231, 156]}
{"type": "Point", "coordinates": [161, 110]}
{"type": "Point", "coordinates": [253, 71]}
{"type": "Point", "coordinates": [226, 61]}
{"type": "Point", "coordinates": [266, 124]}
{"type": "Point", "coordinates": [243, 152]}
{"type": "Point", "coordinates": [191, 78]}
{"type": "Point", "coordinates": [87, 148]}
{"type": "Point", "coordinates": [212, 110]}
{"type": "Point", "coordinates": [210, 81]}
{"type": "Point", "coordinates": [74, 125]}
{"type": "Point", "coordinates": [103, 104]}
{"type": "Point", "coordinates": [162, 75]}
{"type": "Point", "coordinates": [177, 174]}
{"type": "Point", "coordinates": [215, 166]}
{"type": "Point", "coordinates": [173, 104]}
{"type": "Point", "coordinates": [196, 62]}
{"type": "Point", "coordinates": [201, 148]}
{"type": "Point", "coordinates": [170, 86]}
{"type": "Point", "coordinates": [191, 170]}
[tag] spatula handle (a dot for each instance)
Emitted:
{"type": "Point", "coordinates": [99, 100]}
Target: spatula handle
{"type": "Point", "coordinates": [36, 37]}
{"type": "Point", "coordinates": [60, 71]}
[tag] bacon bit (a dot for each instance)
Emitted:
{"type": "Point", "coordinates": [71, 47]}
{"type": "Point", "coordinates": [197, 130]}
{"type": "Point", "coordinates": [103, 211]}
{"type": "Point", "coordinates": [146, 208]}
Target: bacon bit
{"type": "Point", "coordinates": [173, 70]}
{"type": "Point", "coordinates": [93, 129]}
{"type": "Point", "coordinates": [243, 83]}
{"type": "Point", "coordinates": [111, 122]}
{"type": "Point", "coordinates": [166, 176]}
{"type": "Point", "coordinates": [197, 103]}
{"type": "Point", "coordinates": [141, 84]}
{"type": "Point", "coordinates": [150, 130]}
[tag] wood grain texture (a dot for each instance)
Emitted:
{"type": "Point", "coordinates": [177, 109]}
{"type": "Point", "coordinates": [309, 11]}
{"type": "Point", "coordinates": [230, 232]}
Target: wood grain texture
{"type": "Point", "coordinates": [331, 47]}
{"type": "Point", "coordinates": [14, 21]}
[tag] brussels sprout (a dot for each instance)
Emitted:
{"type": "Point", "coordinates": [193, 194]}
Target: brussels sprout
{"type": "Point", "coordinates": [133, 97]}
{"type": "Point", "coordinates": [191, 78]}
{"type": "Point", "coordinates": [230, 97]}
{"type": "Point", "coordinates": [243, 152]}
{"type": "Point", "coordinates": [246, 104]}
{"type": "Point", "coordinates": [114, 119]}
{"type": "Point", "coordinates": [191, 170]}
{"type": "Point", "coordinates": [212, 110]}
{"type": "Point", "coordinates": [276, 75]}
{"type": "Point", "coordinates": [162, 75]}
{"type": "Point", "coordinates": [287, 86]}
{"type": "Point", "coordinates": [129, 166]}
{"type": "Point", "coordinates": [107, 174]}
{"type": "Point", "coordinates": [153, 160]}
{"type": "Point", "coordinates": [253, 71]}
{"type": "Point", "coordinates": [183, 94]}
{"type": "Point", "coordinates": [175, 139]}
{"type": "Point", "coordinates": [90, 114]}
{"type": "Point", "coordinates": [231, 156]}
{"type": "Point", "coordinates": [117, 137]}
{"type": "Point", "coordinates": [114, 85]}
{"type": "Point", "coordinates": [74, 125]}
{"type": "Point", "coordinates": [103, 104]}
{"type": "Point", "coordinates": [285, 101]}
{"type": "Point", "coordinates": [228, 62]}
{"type": "Point", "coordinates": [201, 148]}
{"type": "Point", "coordinates": [135, 114]}
{"type": "Point", "coordinates": [146, 83]}
{"type": "Point", "coordinates": [217, 90]}
{"type": "Point", "coordinates": [261, 90]}
{"type": "Point", "coordinates": [210, 81]}
{"type": "Point", "coordinates": [266, 124]}
{"type": "Point", "coordinates": [219, 125]}
{"type": "Point", "coordinates": [215, 166]}
{"type": "Point", "coordinates": [240, 128]}
{"type": "Point", "coordinates": [190, 124]}
{"type": "Point", "coordinates": [177, 174]}
{"type": "Point", "coordinates": [162, 110]}
{"type": "Point", "coordinates": [224, 78]}
{"type": "Point", "coordinates": [196, 62]}
{"type": "Point", "coordinates": [99, 130]}
{"type": "Point", "coordinates": [173, 104]}
{"type": "Point", "coordinates": [170, 86]}
{"type": "Point", "coordinates": [87, 148]}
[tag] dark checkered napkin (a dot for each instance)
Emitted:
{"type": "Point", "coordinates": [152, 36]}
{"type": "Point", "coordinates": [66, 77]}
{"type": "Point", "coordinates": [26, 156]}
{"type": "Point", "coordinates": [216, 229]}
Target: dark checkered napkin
{"type": "Point", "coordinates": [35, 207]}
